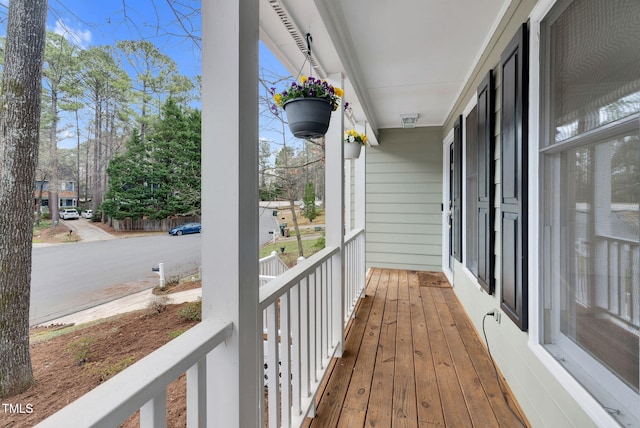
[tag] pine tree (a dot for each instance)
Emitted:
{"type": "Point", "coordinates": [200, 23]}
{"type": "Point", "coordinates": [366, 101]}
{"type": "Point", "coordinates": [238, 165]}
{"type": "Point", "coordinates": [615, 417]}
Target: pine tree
{"type": "Point", "coordinates": [310, 211]}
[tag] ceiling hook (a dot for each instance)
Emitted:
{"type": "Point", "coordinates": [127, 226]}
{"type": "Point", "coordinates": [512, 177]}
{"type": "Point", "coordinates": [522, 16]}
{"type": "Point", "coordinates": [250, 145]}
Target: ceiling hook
{"type": "Point", "coordinates": [309, 40]}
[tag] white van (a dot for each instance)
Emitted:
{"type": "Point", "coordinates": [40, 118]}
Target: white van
{"type": "Point", "coordinates": [69, 214]}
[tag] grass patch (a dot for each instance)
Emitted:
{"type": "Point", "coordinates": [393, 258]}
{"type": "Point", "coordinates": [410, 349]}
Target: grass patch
{"type": "Point", "coordinates": [105, 369]}
{"type": "Point", "coordinates": [81, 350]}
{"type": "Point", "coordinates": [44, 224]}
{"type": "Point", "coordinates": [302, 221]}
{"type": "Point", "coordinates": [290, 255]}
{"type": "Point", "coordinates": [175, 333]}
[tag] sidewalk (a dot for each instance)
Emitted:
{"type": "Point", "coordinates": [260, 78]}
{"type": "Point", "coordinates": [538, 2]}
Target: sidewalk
{"type": "Point", "coordinates": [123, 305]}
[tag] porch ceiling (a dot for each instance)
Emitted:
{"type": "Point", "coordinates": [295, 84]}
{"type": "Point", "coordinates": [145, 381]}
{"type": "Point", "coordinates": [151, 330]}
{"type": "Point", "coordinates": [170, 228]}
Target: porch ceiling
{"type": "Point", "coordinates": [399, 57]}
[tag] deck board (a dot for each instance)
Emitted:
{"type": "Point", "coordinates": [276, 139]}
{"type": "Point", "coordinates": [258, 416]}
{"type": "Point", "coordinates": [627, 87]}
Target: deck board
{"type": "Point", "coordinates": [360, 386]}
{"type": "Point", "coordinates": [412, 359]}
{"type": "Point", "coordinates": [404, 388]}
{"type": "Point", "coordinates": [379, 410]}
{"type": "Point", "coordinates": [427, 394]}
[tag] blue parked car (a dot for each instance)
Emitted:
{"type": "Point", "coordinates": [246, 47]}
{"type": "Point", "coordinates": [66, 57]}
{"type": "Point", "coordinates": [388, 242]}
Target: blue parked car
{"type": "Point", "coordinates": [186, 228]}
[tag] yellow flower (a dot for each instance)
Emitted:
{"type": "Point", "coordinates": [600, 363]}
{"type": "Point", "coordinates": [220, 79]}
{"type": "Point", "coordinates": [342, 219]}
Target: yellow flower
{"type": "Point", "coordinates": [278, 99]}
{"type": "Point", "coordinates": [339, 92]}
{"type": "Point", "coordinates": [303, 79]}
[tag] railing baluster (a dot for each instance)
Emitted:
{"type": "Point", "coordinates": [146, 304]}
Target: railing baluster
{"type": "Point", "coordinates": [197, 395]}
{"type": "Point", "coordinates": [305, 342]}
{"type": "Point", "coordinates": [318, 322]}
{"type": "Point", "coordinates": [285, 353]}
{"type": "Point", "coordinates": [326, 311]}
{"type": "Point", "coordinates": [614, 289]}
{"type": "Point", "coordinates": [273, 359]}
{"type": "Point", "coordinates": [296, 363]}
{"type": "Point", "coordinates": [313, 325]}
{"type": "Point", "coordinates": [154, 413]}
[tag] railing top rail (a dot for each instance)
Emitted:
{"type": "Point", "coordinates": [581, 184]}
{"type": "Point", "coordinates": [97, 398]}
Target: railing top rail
{"type": "Point", "coordinates": [129, 390]}
{"type": "Point", "coordinates": [353, 234]}
{"type": "Point", "coordinates": [271, 256]}
{"type": "Point", "coordinates": [271, 291]}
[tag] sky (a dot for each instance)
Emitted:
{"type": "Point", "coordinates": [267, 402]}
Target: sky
{"type": "Point", "coordinates": [87, 23]}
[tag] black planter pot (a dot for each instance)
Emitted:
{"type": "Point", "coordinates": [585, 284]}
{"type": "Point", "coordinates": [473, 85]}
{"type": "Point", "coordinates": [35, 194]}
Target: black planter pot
{"type": "Point", "coordinates": [308, 117]}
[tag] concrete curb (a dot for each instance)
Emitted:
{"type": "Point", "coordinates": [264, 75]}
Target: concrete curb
{"type": "Point", "coordinates": [133, 302]}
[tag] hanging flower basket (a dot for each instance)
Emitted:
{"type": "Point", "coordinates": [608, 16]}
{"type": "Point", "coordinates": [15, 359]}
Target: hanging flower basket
{"type": "Point", "coordinates": [352, 150]}
{"type": "Point", "coordinates": [308, 117]}
{"type": "Point", "coordinates": [353, 142]}
{"type": "Point", "coordinates": [308, 104]}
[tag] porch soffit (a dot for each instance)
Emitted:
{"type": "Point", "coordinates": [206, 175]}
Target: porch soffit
{"type": "Point", "coordinates": [405, 56]}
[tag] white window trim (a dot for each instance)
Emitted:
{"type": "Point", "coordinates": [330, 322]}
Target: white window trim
{"type": "Point", "coordinates": [585, 400]}
{"type": "Point", "coordinates": [470, 276]}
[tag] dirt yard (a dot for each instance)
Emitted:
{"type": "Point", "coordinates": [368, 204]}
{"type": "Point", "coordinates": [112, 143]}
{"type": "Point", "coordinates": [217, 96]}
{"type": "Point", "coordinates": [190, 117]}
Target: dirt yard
{"type": "Point", "coordinates": [69, 361]}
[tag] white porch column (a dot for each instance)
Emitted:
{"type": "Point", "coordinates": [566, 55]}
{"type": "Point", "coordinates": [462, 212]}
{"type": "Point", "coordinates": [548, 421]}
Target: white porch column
{"type": "Point", "coordinates": [348, 168]}
{"type": "Point", "coordinates": [360, 185]}
{"type": "Point", "coordinates": [230, 208]}
{"type": "Point", "coordinates": [334, 209]}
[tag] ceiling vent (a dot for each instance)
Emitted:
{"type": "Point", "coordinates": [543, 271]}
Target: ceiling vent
{"type": "Point", "coordinates": [291, 27]}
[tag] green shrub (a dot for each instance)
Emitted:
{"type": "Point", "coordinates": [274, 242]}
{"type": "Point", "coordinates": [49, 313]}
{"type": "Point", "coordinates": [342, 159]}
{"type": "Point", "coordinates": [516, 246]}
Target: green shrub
{"type": "Point", "coordinates": [105, 370]}
{"type": "Point", "coordinates": [96, 216]}
{"type": "Point", "coordinates": [320, 243]}
{"type": "Point", "coordinates": [158, 305]}
{"type": "Point", "coordinates": [192, 311]}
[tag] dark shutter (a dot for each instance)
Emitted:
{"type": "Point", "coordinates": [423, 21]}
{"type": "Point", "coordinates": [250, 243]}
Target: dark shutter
{"type": "Point", "coordinates": [486, 106]}
{"type": "Point", "coordinates": [457, 189]}
{"type": "Point", "coordinates": [513, 163]}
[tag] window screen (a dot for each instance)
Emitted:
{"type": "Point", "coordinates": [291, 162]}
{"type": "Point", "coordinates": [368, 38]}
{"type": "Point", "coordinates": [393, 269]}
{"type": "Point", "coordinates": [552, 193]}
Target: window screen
{"type": "Point", "coordinates": [591, 191]}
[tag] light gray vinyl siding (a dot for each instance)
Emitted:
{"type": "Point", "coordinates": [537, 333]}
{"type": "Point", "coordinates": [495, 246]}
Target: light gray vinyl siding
{"type": "Point", "coordinates": [404, 196]}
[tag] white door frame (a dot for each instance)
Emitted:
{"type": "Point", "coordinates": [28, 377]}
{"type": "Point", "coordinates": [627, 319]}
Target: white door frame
{"type": "Point", "coordinates": [446, 187]}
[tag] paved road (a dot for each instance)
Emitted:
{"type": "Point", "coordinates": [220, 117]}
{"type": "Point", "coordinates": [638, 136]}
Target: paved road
{"type": "Point", "coordinates": [267, 223]}
{"type": "Point", "coordinates": [70, 277]}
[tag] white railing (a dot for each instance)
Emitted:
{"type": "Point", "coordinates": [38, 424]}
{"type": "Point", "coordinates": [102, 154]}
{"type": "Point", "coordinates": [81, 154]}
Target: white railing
{"type": "Point", "coordinates": [272, 265]}
{"type": "Point", "coordinates": [354, 271]}
{"type": "Point", "coordinates": [298, 302]}
{"type": "Point", "coordinates": [616, 287]}
{"type": "Point", "coordinates": [143, 386]}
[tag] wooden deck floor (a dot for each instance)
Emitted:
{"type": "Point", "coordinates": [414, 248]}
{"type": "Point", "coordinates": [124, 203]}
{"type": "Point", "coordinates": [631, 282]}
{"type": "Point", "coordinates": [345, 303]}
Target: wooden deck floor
{"type": "Point", "coordinates": [412, 359]}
